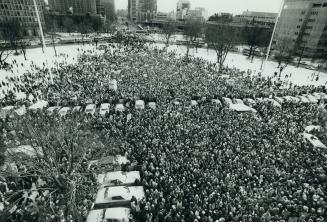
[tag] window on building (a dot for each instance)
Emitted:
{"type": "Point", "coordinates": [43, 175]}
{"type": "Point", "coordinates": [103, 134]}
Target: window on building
{"type": "Point", "coordinates": [317, 5]}
{"type": "Point", "coordinates": [298, 26]}
{"type": "Point", "coordinates": [309, 27]}
{"type": "Point", "coordinates": [311, 20]}
{"type": "Point", "coordinates": [324, 5]}
{"type": "Point", "coordinates": [300, 20]}
{"type": "Point", "coordinates": [296, 33]}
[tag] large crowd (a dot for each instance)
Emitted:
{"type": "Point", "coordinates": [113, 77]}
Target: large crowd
{"type": "Point", "coordinates": [199, 163]}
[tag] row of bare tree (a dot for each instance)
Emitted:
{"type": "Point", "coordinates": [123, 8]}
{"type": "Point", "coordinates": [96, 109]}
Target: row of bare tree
{"type": "Point", "coordinates": [223, 37]}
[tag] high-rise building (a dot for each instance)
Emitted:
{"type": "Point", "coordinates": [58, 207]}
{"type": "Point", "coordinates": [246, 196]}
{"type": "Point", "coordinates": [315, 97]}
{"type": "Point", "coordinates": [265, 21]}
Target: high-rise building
{"type": "Point", "coordinates": [183, 8]}
{"type": "Point", "coordinates": [199, 14]}
{"type": "Point", "coordinates": [304, 24]}
{"type": "Point", "coordinates": [77, 7]}
{"type": "Point", "coordinates": [133, 6]}
{"type": "Point", "coordinates": [24, 12]}
{"type": "Point", "coordinates": [142, 10]}
{"type": "Point", "coordinates": [109, 9]}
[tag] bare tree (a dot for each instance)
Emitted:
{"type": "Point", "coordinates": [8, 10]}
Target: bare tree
{"type": "Point", "coordinates": [60, 149]}
{"type": "Point", "coordinates": [284, 52]}
{"type": "Point", "coordinates": [222, 39]}
{"type": "Point", "coordinates": [85, 27]}
{"type": "Point", "coordinates": [12, 32]}
{"type": "Point", "coordinates": [5, 52]}
{"type": "Point", "coordinates": [68, 24]}
{"type": "Point", "coordinates": [192, 31]}
{"type": "Point", "coordinates": [169, 30]}
{"type": "Point", "coordinates": [255, 37]}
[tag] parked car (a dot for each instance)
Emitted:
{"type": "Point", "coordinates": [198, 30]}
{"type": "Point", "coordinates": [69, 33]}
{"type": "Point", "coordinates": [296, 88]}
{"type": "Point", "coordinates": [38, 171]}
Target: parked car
{"type": "Point", "coordinates": [118, 178]}
{"type": "Point", "coordinates": [90, 109]}
{"type": "Point", "coordinates": [120, 196]}
{"type": "Point", "coordinates": [104, 108]}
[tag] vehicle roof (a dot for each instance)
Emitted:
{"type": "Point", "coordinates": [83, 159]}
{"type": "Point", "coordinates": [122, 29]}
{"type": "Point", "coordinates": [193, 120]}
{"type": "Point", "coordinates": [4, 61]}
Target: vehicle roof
{"type": "Point", "coordinates": [127, 177]}
{"type": "Point", "coordinates": [120, 213]}
{"type": "Point", "coordinates": [8, 108]}
{"type": "Point", "coordinates": [105, 105]}
{"type": "Point", "coordinates": [127, 193]}
{"type": "Point", "coordinates": [39, 104]}
{"type": "Point", "coordinates": [90, 106]}
{"type": "Point", "coordinates": [52, 108]}
{"type": "Point", "coordinates": [65, 109]}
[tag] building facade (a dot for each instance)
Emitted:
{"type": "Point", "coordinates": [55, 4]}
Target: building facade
{"type": "Point", "coordinates": [142, 10]}
{"type": "Point", "coordinates": [109, 9]}
{"type": "Point", "coordinates": [263, 18]}
{"type": "Point", "coordinates": [199, 14]}
{"type": "Point", "coordinates": [77, 7]}
{"type": "Point", "coordinates": [304, 24]}
{"type": "Point", "coordinates": [24, 12]}
{"type": "Point", "coordinates": [182, 10]}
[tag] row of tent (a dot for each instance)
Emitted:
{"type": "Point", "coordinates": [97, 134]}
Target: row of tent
{"type": "Point", "coordinates": [238, 105]}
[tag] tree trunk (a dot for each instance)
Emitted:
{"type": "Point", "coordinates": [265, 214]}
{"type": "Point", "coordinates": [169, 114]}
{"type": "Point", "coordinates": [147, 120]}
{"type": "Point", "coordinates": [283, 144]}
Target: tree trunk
{"type": "Point", "coordinates": [250, 51]}
{"type": "Point", "coordinates": [187, 50]}
{"type": "Point", "coordinates": [54, 45]}
{"type": "Point", "coordinates": [300, 59]}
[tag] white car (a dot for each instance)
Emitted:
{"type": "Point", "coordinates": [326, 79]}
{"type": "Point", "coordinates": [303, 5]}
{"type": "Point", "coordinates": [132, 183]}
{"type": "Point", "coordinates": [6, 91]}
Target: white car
{"type": "Point", "coordinates": [52, 109]}
{"type": "Point", "coordinates": [117, 196]}
{"type": "Point", "coordinates": [249, 102]}
{"type": "Point", "coordinates": [238, 101]}
{"type": "Point", "coordinates": [90, 109]}
{"type": "Point", "coordinates": [152, 105]}
{"type": "Point", "coordinates": [21, 111]}
{"type": "Point", "coordinates": [113, 85]}
{"type": "Point", "coordinates": [119, 108]}
{"type": "Point", "coordinates": [279, 99]}
{"type": "Point", "coordinates": [227, 101]}
{"type": "Point", "coordinates": [104, 108]}
{"type": "Point", "coordinates": [63, 111]}
{"type": "Point", "coordinates": [118, 178]}
{"type": "Point", "coordinates": [109, 161]}
{"type": "Point", "coordinates": [38, 105]}
{"type": "Point", "coordinates": [6, 111]}
{"type": "Point", "coordinates": [117, 214]}
{"type": "Point", "coordinates": [312, 99]}
{"type": "Point", "coordinates": [139, 104]}
{"type": "Point", "coordinates": [216, 101]}
{"type": "Point", "coordinates": [304, 99]}
{"type": "Point", "coordinates": [194, 103]}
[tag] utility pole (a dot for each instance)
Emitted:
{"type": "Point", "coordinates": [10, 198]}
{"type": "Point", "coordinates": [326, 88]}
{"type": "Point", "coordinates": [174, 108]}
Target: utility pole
{"type": "Point", "coordinates": [274, 30]}
{"type": "Point", "coordinates": [42, 35]}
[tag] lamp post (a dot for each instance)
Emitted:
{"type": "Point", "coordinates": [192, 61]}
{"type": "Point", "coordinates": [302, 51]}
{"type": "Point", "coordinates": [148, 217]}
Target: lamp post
{"type": "Point", "coordinates": [42, 35]}
{"type": "Point", "coordinates": [274, 30]}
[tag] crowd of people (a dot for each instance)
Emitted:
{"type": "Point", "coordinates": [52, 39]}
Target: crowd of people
{"type": "Point", "coordinates": [199, 163]}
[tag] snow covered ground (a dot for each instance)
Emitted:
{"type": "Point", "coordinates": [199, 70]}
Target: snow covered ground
{"type": "Point", "coordinates": [300, 76]}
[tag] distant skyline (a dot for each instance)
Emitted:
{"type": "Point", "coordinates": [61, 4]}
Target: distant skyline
{"type": "Point", "coordinates": [215, 6]}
